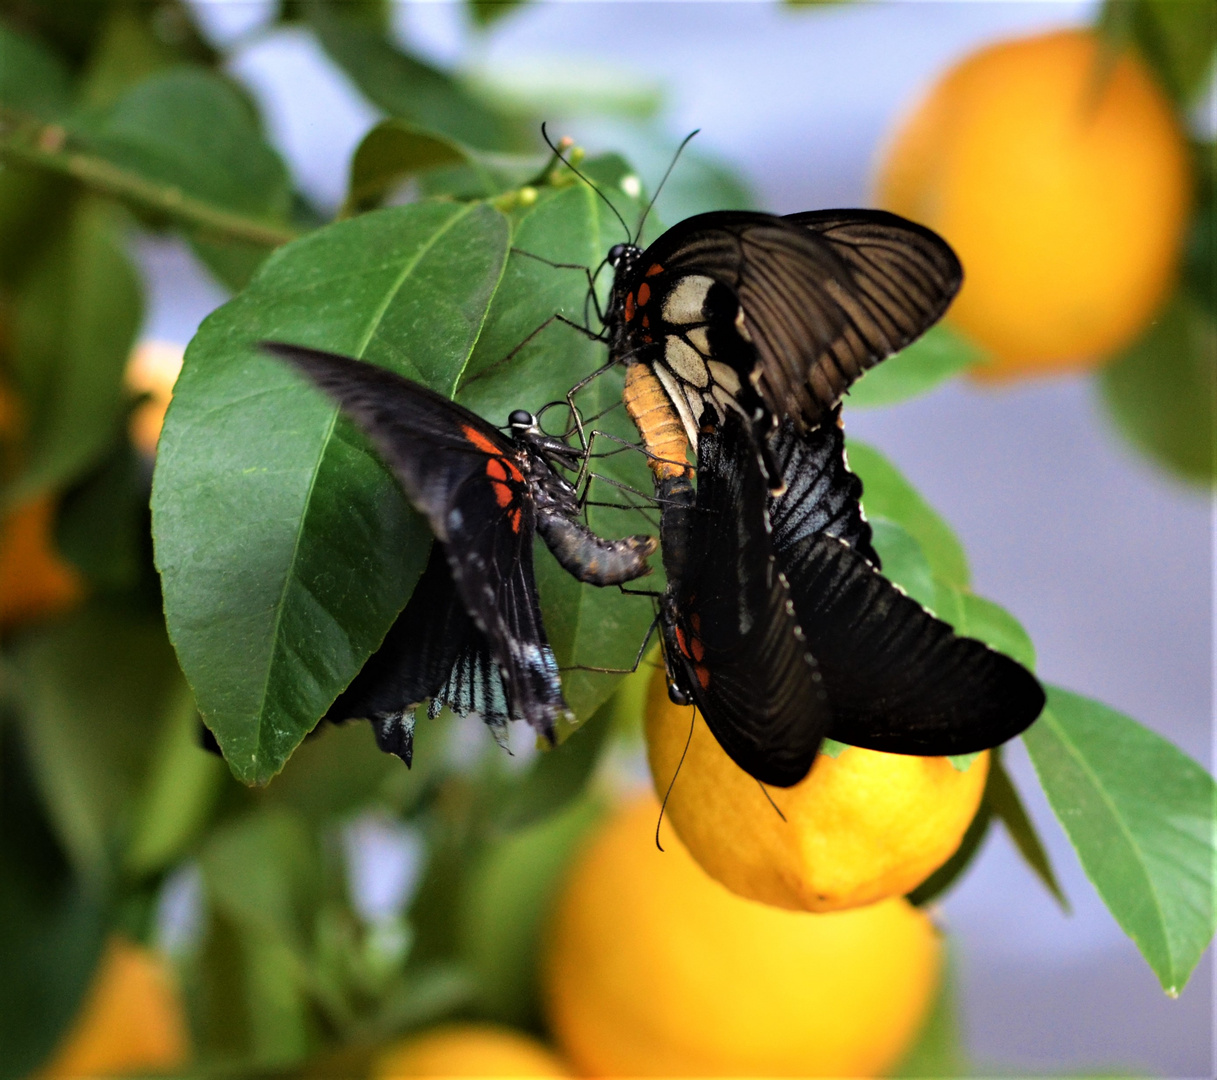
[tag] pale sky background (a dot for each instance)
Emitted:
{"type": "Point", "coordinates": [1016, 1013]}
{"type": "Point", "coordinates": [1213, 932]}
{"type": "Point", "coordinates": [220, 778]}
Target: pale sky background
{"type": "Point", "coordinates": [1107, 562]}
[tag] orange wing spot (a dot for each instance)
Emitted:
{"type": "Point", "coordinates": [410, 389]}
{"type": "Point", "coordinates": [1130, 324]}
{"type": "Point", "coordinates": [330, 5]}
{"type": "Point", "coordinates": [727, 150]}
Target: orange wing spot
{"type": "Point", "coordinates": [680, 641]}
{"type": "Point", "coordinates": [644, 294]}
{"type": "Point", "coordinates": [653, 269]}
{"type": "Point", "coordinates": [502, 494]}
{"type": "Point", "coordinates": [516, 475]}
{"type": "Point", "coordinates": [703, 675]}
{"type": "Point", "coordinates": [515, 521]}
{"type": "Point", "coordinates": [697, 648]}
{"type": "Point", "coordinates": [629, 308]}
{"type": "Point", "coordinates": [479, 440]}
{"type": "Point", "coordinates": [647, 339]}
{"type": "Point", "coordinates": [695, 622]}
{"type": "Point", "coordinates": [496, 469]}
{"type": "Point", "coordinates": [646, 321]}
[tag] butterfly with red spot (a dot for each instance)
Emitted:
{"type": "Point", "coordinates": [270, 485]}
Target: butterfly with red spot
{"type": "Point", "coordinates": [471, 636]}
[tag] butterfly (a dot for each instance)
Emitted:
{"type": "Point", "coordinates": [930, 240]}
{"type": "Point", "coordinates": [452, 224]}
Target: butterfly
{"type": "Point", "coordinates": [471, 636]}
{"type": "Point", "coordinates": [898, 678]}
{"type": "Point", "coordinates": [773, 317]}
{"type": "Point", "coordinates": [732, 644]}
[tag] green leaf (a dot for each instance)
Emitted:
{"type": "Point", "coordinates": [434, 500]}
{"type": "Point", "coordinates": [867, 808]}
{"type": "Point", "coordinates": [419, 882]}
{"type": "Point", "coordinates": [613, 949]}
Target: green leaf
{"type": "Point", "coordinates": [904, 563]}
{"type": "Point", "coordinates": [1002, 796]}
{"type": "Point", "coordinates": [939, 1051]}
{"type": "Point", "coordinates": [99, 689]}
{"type": "Point", "coordinates": [52, 921]}
{"type": "Point", "coordinates": [485, 12]}
{"type": "Point", "coordinates": [1177, 39]}
{"type": "Point", "coordinates": [938, 355]}
{"type": "Point", "coordinates": [403, 85]}
{"type": "Point", "coordinates": [833, 749]}
{"type": "Point", "coordinates": [394, 151]}
{"type": "Point", "coordinates": [1200, 255]}
{"type": "Point", "coordinates": [1162, 390]}
{"type": "Point", "coordinates": [888, 494]}
{"type": "Point", "coordinates": [973, 616]}
{"type": "Point", "coordinates": [76, 317]}
{"type": "Point", "coordinates": [285, 547]}
{"type": "Point", "coordinates": [32, 79]}
{"type": "Point", "coordinates": [1140, 815]}
{"type": "Point", "coordinates": [506, 906]}
{"type": "Point", "coordinates": [586, 625]}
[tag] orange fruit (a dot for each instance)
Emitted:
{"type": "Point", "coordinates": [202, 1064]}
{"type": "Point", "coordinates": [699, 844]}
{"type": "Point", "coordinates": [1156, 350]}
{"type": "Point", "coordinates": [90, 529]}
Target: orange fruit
{"type": "Point", "coordinates": [465, 1049]}
{"type": "Point", "coordinates": [857, 829]}
{"type": "Point", "coordinates": [132, 1019]}
{"type": "Point", "coordinates": [152, 370]}
{"type": "Point", "coordinates": [34, 581]}
{"type": "Point", "coordinates": [654, 969]}
{"type": "Point", "coordinates": [1060, 174]}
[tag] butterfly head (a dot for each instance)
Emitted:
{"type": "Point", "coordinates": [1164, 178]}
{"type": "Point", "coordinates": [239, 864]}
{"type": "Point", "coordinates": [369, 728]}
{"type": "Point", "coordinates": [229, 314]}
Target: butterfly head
{"type": "Point", "coordinates": [521, 420]}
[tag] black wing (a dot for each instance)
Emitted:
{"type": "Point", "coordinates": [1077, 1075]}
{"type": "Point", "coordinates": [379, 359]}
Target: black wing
{"type": "Point", "coordinates": [822, 296]}
{"type": "Point", "coordinates": [732, 641]}
{"type": "Point", "coordinates": [468, 481]}
{"type": "Point", "coordinates": [899, 679]}
{"type": "Point", "coordinates": [821, 495]}
{"type": "Point", "coordinates": [433, 651]}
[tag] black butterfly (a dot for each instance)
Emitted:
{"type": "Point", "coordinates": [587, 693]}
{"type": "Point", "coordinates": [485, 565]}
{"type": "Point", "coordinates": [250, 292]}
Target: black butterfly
{"type": "Point", "coordinates": [471, 636]}
{"type": "Point", "coordinates": [898, 679]}
{"type": "Point", "coordinates": [732, 643]}
{"type": "Point", "coordinates": [774, 317]}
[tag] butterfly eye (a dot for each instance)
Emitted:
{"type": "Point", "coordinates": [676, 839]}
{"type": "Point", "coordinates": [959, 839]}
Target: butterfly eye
{"type": "Point", "coordinates": [616, 254]}
{"type": "Point", "coordinates": [521, 418]}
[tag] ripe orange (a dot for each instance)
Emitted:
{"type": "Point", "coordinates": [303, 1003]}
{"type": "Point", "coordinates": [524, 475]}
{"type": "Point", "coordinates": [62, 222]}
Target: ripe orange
{"type": "Point", "coordinates": [34, 581]}
{"type": "Point", "coordinates": [132, 1020]}
{"type": "Point", "coordinates": [1060, 174]}
{"type": "Point", "coordinates": [859, 828]}
{"type": "Point", "coordinates": [465, 1049]}
{"type": "Point", "coordinates": [152, 370]}
{"type": "Point", "coordinates": [654, 969]}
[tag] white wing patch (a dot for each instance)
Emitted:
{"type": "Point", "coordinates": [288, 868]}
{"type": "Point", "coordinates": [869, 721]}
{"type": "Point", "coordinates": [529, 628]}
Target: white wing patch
{"type": "Point", "coordinates": [699, 337]}
{"type": "Point", "coordinates": [683, 359]}
{"type": "Point", "coordinates": [685, 303]}
{"type": "Point", "coordinates": [673, 389]}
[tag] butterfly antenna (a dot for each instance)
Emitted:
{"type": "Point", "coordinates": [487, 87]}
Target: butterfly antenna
{"type": "Point", "coordinates": [558, 153]}
{"type": "Point", "coordinates": [671, 166]}
{"type": "Point", "coordinates": [765, 792]}
{"type": "Point", "coordinates": [672, 783]}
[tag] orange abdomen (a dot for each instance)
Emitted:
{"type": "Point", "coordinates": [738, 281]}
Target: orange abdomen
{"type": "Point", "coordinates": [657, 422]}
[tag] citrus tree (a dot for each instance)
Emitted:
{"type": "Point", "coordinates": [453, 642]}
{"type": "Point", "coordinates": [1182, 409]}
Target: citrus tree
{"type": "Point", "coordinates": [278, 551]}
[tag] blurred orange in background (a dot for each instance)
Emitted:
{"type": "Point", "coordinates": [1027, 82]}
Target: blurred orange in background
{"type": "Point", "coordinates": [131, 1021]}
{"type": "Point", "coordinates": [859, 828]}
{"type": "Point", "coordinates": [152, 370]}
{"type": "Point", "coordinates": [1059, 172]}
{"type": "Point", "coordinates": [483, 1050]}
{"type": "Point", "coordinates": [654, 969]}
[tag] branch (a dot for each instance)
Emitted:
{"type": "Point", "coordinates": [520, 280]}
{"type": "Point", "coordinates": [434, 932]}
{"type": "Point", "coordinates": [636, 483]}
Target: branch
{"type": "Point", "coordinates": [44, 149]}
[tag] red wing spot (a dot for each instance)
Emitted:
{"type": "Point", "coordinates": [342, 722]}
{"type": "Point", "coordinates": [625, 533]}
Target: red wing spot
{"type": "Point", "coordinates": [653, 269]}
{"type": "Point", "coordinates": [647, 339]}
{"type": "Point", "coordinates": [479, 440]}
{"type": "Point", "coordinates": [644, 294]}
{"type": "Point", "coordinates": [703, 675]}
{"type": "Point", "coordinates": [680, 641]}
{"type": "Point", "coordinates": [502, 493]}
{"type": "Point", "coordinates": [697, 648]}
{"type": "Point", "coordinates": [646, 321]}
{"type": "Point", "coordinates": [495, 469]}
{"type": "Point", "coordinates": [695, 622]}
{"type": "Point", "coordinates": [516, 475]}
{"type": "Point", "coordinates": [515, 521]}
{"type": "Point", "coordinates": [629, 308]}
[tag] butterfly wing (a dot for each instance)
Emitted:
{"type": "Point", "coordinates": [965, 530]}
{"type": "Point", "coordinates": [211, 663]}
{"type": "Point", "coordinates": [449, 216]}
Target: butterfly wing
{"type": "Point", "coordinates": [899, 679]}
{"type": "Point", "coordinates": [733, 643]}
{"type": "Point", "coordinates": [803, 306]}
{"type": "Point", "coordinates": [468, 481]}
{"type": "Point", "coordinates": [821, 495]}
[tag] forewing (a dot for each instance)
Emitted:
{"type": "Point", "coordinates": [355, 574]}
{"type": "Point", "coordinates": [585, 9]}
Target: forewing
{"type": "Point", "coordinates": [899, 679]}
{"type": "Point", "coordinates": [821, 495]}
{"type": "Point", "coordinates": [739, 650]}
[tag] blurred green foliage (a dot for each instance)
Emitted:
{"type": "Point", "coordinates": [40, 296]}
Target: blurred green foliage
{"type": "Point", "coordinates": [285, 551]}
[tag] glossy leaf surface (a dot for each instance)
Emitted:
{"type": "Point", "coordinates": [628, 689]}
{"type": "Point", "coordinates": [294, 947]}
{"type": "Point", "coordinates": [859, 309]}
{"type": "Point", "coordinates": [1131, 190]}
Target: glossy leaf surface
{"type": "Point", "coordinates": [1140, 814]}
{"type": "Point", "coordinates": [938, 355]}
{"type": "Point", "coordinates": [286, 549]}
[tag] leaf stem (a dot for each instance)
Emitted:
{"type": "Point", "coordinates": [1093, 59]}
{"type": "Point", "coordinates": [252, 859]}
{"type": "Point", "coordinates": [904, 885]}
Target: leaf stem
{"type": "Point", "coordinates": [45, 150]}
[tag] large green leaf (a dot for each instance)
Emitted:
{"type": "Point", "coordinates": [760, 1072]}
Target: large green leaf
{"type": "Point", "coordinates": [32, 80]}
{"type": "Point", "coordinates": [886, 493]}
{"type": "Point", "coordinates": [1141, 816]}
{"type": "Point", "coordinates": [99, 691]}
{"type": "Point", "coordinates": [1177, 39]}
{"type": "Point", "coordinates": [1002, 796]}
{"type": "Point", "coordinates": [587, 625]}
{"type": "Point", "coordinates": [974, 616]}
{"type": "Point", "coordinates": [939, 354]}
{"type": "Point", "coordinates": [75, 317]}
{"type": "Point", "coordinates": [285, 547]}
{"type": "Point", "coordinates": [1162, 390]}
